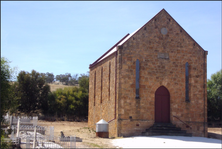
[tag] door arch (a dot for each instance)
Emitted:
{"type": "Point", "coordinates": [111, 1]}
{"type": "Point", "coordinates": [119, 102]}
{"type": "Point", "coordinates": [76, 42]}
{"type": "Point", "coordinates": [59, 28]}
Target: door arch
{"type": "Point", "coordinates": [162, 105]}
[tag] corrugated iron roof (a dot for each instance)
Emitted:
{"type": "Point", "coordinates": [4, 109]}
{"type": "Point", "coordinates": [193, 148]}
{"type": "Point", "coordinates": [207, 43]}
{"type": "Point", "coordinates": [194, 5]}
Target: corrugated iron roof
{"type": "Point", "coordinates": [114, 48]}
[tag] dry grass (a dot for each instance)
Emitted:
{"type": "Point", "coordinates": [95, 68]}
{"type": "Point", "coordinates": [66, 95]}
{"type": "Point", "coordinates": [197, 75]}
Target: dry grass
{"type": "Point", "coordinates": [88, 135]}
{"type": "Point", "coordinates": [54, 87]}
{"type": "Point", "coordinates": [215, 130]}
{"type": "Point", "coordinates": [78, 129]}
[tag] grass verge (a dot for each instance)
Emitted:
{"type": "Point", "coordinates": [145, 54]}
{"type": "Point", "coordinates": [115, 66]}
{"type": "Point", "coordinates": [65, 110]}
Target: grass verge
{"type": "Point", "coordinates": [93, 145]}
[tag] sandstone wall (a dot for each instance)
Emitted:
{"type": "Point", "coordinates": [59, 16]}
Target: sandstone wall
{"type": "Point", "coordinates": [162, 63]}
{"type": "Point", "coordinates": [102, 104]}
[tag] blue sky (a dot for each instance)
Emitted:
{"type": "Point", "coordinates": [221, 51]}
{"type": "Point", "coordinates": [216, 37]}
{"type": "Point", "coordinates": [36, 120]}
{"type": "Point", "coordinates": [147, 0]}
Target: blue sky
{"type": "Point", "coordinates": [65, 37]}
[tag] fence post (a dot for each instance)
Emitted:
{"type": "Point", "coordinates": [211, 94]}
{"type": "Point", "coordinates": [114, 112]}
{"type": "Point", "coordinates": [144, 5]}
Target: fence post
{"type": "Point", "coordinates": [12, 133]}
{"type": "Point", "coordinates": [75, 142]}
{"type": "Point", "coordinates": [18, 127]}
{"type": "Point", "coordinates": [34, 141]}
{"type": "Point", "coordinates": [72, 142]}
{"type": "Point", "coordinates": [35, 120]}
{"type": "Point", "coordinates": [27, 142]}
{"type": "Point", "coordinates": [51, 137]}
{"type": "Point", "coordinates": [10, 122]}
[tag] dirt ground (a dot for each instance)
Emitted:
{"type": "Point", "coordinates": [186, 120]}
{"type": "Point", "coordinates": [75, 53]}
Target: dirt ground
{"type": "Point", "coordinates": [215, 130]}
{"type": "Point", "coordinates": [54, 87]}
{"type": "Point", "coordinates": [81, 130]}
{"type": "Point", "coordinates": [88, 136]}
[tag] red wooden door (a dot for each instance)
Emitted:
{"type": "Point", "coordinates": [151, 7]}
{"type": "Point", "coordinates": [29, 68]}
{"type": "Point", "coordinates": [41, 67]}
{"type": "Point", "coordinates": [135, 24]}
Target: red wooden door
{"type": "Point", "coordinates": [162, 105]}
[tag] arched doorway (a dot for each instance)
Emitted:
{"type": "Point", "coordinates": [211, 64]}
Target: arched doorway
{"type": "Point", "coordinates": [162, 105]}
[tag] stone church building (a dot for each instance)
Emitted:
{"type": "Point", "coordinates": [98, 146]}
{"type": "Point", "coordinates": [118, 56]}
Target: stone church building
{"type": "Point", "coordinates": [158, 74]}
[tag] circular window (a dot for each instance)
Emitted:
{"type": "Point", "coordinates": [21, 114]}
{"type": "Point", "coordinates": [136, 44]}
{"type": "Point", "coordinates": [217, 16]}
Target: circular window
{"type": "Point", "coordinates": [164, 31]}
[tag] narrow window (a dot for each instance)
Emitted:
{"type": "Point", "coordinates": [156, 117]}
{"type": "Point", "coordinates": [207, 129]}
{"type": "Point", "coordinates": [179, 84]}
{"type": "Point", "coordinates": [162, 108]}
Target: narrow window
{"type": "Point", "coordinates": [109, 81]}
{"type": "Point", "coordinates": [94, 87]}
{"type": "Point", "coordinates": [101, 85]}
{"type": "Point", "coordinates": [137, 78]}
{"type": "Point", "coordinates": [187, 81]}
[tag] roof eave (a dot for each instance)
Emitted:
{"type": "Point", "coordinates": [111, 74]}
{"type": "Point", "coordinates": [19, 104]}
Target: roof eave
{"type": "Point", "coordinates": [92, 65]}
{"type": "Point", "coordinates": [109, 50]}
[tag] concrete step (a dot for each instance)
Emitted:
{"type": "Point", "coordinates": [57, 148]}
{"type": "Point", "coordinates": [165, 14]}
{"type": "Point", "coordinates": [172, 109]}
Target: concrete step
{"type": "Point", "coordinates": [165, 134]}
{"type": "Point", "coordinates": [164, 124]}
{"type": "Point", "coordinates": [165, 129]}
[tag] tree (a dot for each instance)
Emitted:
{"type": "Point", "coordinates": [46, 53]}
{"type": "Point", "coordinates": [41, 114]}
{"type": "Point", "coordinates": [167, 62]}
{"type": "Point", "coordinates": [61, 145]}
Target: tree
{"type": "Point", "coordinates": [8, 99]}
{"type": "Point", "coordinates": [63, 78]}
{"type": "Point", "coordinates": [69, 102]}
{"type": "Point", "coordinates": [7, 102]}
{"type": "Point", "coordinates": [5, 86]}
{"type": "Point", "coordinates": [84, 81]}
{"type": "Point", "coordinates": [74, 79]}
{"type": "Point", "coordinates": [214, 96]}
{"type": "Point", "coordinates": [58, 78]}
{"type": "Point", "coordinates": [49, 77]}
{"type": "Point", "coordinates": [32, 91]}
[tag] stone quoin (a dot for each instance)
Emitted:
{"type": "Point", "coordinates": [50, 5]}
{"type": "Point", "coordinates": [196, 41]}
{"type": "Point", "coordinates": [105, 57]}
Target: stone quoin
{"type": "Point", "coordinates": [156, 74]}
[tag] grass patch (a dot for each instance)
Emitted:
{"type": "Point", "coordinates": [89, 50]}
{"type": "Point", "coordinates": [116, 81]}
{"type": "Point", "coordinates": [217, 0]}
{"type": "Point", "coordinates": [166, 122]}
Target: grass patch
{"type": "Point", "coordinates": [118, 137]}
{"type": "Point", "coordinates": [93, 145]}
{"type": "Point", "coordinates": [54, 87]}
{"type": "Point", "coordinates": [90, 130]}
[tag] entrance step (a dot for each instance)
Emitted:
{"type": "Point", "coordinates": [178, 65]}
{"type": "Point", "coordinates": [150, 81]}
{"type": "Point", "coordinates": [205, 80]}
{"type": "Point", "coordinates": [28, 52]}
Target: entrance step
{"type": "Point", "coordinates": [167, 129]}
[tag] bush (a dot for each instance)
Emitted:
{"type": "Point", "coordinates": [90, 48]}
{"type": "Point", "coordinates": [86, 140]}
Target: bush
{"type": "Point", "coordinates": [67, 103]}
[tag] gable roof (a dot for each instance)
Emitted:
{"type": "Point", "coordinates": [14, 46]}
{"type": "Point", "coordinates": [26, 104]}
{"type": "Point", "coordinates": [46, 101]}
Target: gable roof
{"type": "Point", "coordinates": [128, 36]}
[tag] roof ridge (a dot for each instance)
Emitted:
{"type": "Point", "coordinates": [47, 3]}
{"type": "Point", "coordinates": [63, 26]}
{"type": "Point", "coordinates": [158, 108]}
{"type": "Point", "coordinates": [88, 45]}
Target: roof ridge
{"type": "Point", "coordinates": [128, 36]}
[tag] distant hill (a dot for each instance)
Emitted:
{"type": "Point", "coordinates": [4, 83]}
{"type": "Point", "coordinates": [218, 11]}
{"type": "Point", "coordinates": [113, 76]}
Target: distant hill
{"type": "Point", "coordinates": [56, 85]}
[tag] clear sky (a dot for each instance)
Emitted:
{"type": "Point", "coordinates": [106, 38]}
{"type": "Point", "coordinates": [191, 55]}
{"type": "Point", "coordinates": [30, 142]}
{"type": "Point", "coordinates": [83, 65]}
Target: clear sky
{"type": "Point", "coordinates": [65, 37]}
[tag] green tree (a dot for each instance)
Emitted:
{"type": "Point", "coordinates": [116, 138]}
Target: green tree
{"type": "Point", "coordinates": [74, 79]}
{"type": "Point", "coordinates": [63, 78]}
{"type": "Point", "coordinates": [84, 81]}
{"type": "Point", "coordinates": [214, 96]}
{"type": "Point", "coordinates": [32, 92]}
{"type": "Point", "coordinates": [8, 98]}
{"type": "Point", "coordinates": [49, 77]}
{"type": "Point", "coordinates": [7, 102]}
{"type": "Point", "coordinates": [50, 106]}
{"type": "Point", "coordinates": [5, 86]}
{"type": "Point", "coordinates": [69, 102]}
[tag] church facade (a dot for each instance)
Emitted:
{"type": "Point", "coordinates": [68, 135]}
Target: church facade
{"type": "Point", "coordinates": [158, 74]}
